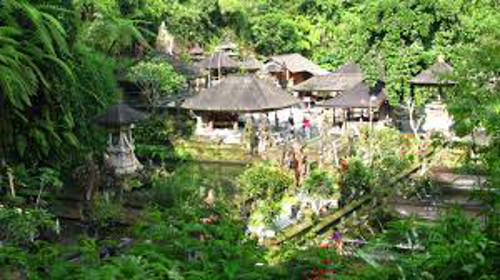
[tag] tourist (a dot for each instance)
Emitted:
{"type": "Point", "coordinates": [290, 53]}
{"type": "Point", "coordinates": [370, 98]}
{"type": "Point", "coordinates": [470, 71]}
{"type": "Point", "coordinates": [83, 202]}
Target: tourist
{"type": "Point", "coordinates": [306, 126]}
{"type": "Point", "coordinates": [338, 242]}
{"type": "Point", "coordinates": [291, 124]}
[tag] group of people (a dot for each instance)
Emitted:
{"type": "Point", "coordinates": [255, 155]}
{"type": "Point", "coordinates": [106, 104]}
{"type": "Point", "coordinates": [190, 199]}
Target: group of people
{"type": "Point", "coordinates": [258, 138]}
{"type": "Point", "coordinates": [306, 126]}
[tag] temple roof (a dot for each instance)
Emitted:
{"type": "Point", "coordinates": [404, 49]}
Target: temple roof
{"type": "Point", "coordinates": [239, 93]}
{"type": "Point", "coordinates": [349, 68]}
{"type": "Point", "coordinates": [272, 67]}
{"type": "Point", "coordinates": [358, 97]}
{"type": "Point", "coordinates": [297, 63]}
{"type": "Point", "coordinates": [227, 44]}
{"type": "Point", "coordinates": [346, 77]}
{"type": "Point", "coordinates": [251, 64]}
{"type": "Point", "coordinates": [196, 50]}
{"type": "Point", "coordinates": [179, 65]}
{"type": "Point", "coordinates": [119, 115]}
{"type": "Point", "coordinates": [433, 75]}
{"type": "Point", "coordinates": [218, 60]}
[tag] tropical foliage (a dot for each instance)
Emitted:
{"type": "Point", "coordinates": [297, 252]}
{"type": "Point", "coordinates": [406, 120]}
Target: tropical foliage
{"type": "Point", "coordinates": [60, 63]}
{"type": "Point", "coordinates": [265, 180]}
{"type": "Point", "coordinates": [156, 79]}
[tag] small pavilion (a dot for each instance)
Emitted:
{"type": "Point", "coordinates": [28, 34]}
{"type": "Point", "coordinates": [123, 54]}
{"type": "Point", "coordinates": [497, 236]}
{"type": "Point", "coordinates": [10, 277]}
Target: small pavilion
{"type": "Point", "coordinates": [251, 65]}
{"type": "Point", "coordinates": [229, 48]}
{"type": "Point", "coordinates": [196, 53]}
{"type": "Point", "coordinates": [221, 105]}
{"type": "Point", "coordinates": [217, 66]}
{"type": "Point", "coordinates": [319, 88]}
{"type": "Point", "coordinates": [295, 69]}
{"type": "Point", "coordinates": [434, 76]}
{"type": "Point", "coordinates": [119, 120]}
{"type": "Point", "coordinates": [437, 118]}
{"type": "Point", "coordinates": [358, 103]}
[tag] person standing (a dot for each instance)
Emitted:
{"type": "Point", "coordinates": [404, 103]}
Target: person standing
{"type": "Point", "coordinates": [291, 126]}
{"type": "Point", "coordinates": [306, 126]}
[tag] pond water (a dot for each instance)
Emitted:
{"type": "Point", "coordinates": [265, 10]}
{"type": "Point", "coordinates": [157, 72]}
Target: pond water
{"type": "Point", "coordinates": [430, 208]}
{"type": "Point", "coordinates": [221, 176]}
{"type": "Point", "coordinates": [193, 176]}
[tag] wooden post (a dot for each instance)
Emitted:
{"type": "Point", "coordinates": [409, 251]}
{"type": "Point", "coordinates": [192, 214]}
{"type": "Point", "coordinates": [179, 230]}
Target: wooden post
{"type": "Point", "coordinates": [345, 117]}
{"type": "Point", "coordinates": [276, 119]}
{"type": "Point", "coordinates": [334, 117]}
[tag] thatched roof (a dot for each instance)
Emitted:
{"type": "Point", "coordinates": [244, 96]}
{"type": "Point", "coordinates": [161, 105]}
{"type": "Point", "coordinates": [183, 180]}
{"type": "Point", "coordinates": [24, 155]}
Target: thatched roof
{"type": "Point", "coordinates": [433, 75]}
{"type": "Point", "coordinates": [227, 44]}
{"type": "Point", "coordinates": [358, 97]}
{"type": "Point", "coordinates": [251, 64]}
{"type": "Point", "coordinates": [196, 50]}
{"type": "Point", "coordinates": [272, 67]}
{"type": "Point", "coordinates": [241, 94]}
{"type": "Point", "coordinates": [218, 60]}
{"type": "Point", "coordinates": [346, 77]}
{"type": "Point", "coordinates": [179, 65]}
{"type": "Point", "coordinates": [119, 115]}
{"type": "Point", "coordinates": [349, 68]}
{"type": "Point", "coordinates": [297, 63]}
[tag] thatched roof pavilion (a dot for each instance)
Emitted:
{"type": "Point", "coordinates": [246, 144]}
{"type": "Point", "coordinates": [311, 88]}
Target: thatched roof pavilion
{"type": "Point", "coordinates": [346, 77]}
{"type": "Point", "coordinates": [273, 67]}
{"type": "Point", "coordinates": [296, 63]}
{"type": "Point", "coordinates": [328, 83]}
{"type": "Point", "coordinates": [119, 115]}
{"type": "Point", "coordinates": [358, 97]}
{"type": "Point", "coordinates": [433, 75]}
{"type": "Point", "coordinates": [196, 50]}
{"type": "Point", "coordinates": [350, 68]}
{"type": "Point", "coordinates": [241, 94]}
{"type": "Point", "coordinates": [179, 65]}
{"type": "Point", "coordinates": [251, 64]}
{"type": "Point", "coordinates": [227, 46]}
{"type": "Point", "coordinates": [218, 60]}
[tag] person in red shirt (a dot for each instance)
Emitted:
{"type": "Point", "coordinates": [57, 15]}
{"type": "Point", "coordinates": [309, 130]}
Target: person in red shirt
{"type": "Point", "coordinates": [306, 126]}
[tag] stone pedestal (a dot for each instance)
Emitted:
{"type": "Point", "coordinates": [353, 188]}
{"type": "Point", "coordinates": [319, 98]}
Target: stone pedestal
{"type": "Point", "coordinates": [437, 118]}
{"type": "Point", "coordinates": [121, 155]}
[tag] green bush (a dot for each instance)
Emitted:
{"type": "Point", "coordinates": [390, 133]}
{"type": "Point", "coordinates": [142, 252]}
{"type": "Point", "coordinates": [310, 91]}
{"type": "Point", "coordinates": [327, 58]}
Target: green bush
{"type": "Point", "coordinates": [265, 180]}
{"type": "Point", "coordinates": [356, 180]}
{"type": "Point", "coordinates": [320, 182]}
{"type": "Point", "coordinates": [157, 79]}
{"type": "Point", "coordinates": [23, 226]}
{"type": "Point", "coordinates": [454, 247]}
{"type": "Point", "coordinates": [173, 189]}
{"type": "Point", "coordinates": [104, 213]}
{"type": "Point", "coordinates": [160, 129]}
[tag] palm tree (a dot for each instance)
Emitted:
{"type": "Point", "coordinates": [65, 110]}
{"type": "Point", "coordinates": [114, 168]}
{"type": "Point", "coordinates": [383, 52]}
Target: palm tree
{"type": "Point", "coordinates": [32, 47]}
{"type": "Point", "coordinates": [29, 40]}
{"type": "Point", "coordinates": [105, 29]}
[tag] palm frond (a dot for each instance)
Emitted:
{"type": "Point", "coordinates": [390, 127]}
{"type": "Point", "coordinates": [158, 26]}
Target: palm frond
{"type": "Point", "coordinates": [40, 30]}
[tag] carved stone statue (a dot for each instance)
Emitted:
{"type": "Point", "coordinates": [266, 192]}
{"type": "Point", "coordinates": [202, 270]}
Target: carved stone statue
{"type": "Point", "coordinates": [119, 121]}
{"type": "Point", "coordinates": [164, 40]}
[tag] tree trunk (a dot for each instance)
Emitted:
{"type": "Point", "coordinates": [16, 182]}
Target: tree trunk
{"type": "Point", "coordinates": [11, 183]}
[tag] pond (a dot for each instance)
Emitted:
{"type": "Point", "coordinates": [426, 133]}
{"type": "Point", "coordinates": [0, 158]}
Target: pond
{"type": "Point", "coordinates": [187, 178]}
{"type": "Point", "coordinates": [221, 176]}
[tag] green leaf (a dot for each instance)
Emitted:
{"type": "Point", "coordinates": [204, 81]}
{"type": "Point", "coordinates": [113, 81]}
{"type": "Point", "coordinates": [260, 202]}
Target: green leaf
{"type": "Point", "coordinates": [21, 144]}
